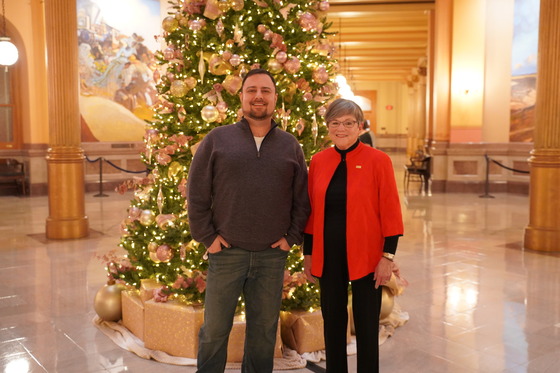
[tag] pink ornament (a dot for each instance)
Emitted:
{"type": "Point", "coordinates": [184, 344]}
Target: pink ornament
{"type": "Point", "coordinates": [195, 25]}
{"type": "Point", "coordinates": [171, 77]}
{"type": "Point", "coordinates": [134, 213]}
{"type": "Point", "coordinates": [164, 253]}
{"type": "Point", "coordinates": [169, 53]}
{"type": "Point", "coordinates": [268, 35]}
{"type": "Point", "coordinates": [322, 111]}
{"type": "Point", "coordinates": [235, 60]}
{"type": "Point", "coordinates": [292, 66]}
{"type": "Point", "coordinates": [281, 56]}
{"type": "Point", "coordinates": [226, 55]}
{"type": "Point", "coordinates": [320, 75]}
{"type": "Point", "coordinates": [324, 6]}
{"type": "Point", "coordinates": [261, 28]}
{"type": "Point", "coordinates": [220, 27]}
{"type": "Point", "coordinates": [307, 96]}
{"type": "Point", "coordinates": [308, 21]}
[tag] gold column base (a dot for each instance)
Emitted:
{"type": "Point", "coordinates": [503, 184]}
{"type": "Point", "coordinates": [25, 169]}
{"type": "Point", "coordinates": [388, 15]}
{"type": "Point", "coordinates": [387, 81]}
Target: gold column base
{"type": "Point", "coordinates": [543, 231]}
{"type": "Point", "coordinates": [541, 239]}
{"type": "Point", "coordinates": [67, 218]}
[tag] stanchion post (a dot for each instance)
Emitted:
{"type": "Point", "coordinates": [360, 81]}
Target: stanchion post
{"type": "Point", "coordinates": [487, 182]}
{"type": "Point", "coordinates": [101, 194]}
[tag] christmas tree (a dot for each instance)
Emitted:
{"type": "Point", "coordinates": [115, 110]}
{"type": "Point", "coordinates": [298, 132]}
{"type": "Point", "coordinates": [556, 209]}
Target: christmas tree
{"type": "Point", "coordinates": [210, 45]}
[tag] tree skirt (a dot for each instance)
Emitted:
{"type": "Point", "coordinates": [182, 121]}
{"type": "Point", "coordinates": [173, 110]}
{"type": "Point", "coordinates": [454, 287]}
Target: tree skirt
{"type": "Point", "coordinates": [290, 359]}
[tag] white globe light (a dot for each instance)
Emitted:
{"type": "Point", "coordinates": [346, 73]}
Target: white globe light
{"type": "Point", "coordinates": [8, 52]}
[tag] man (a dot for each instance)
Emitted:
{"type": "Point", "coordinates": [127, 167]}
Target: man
{"type": "Point", "coordinates": [368, 136]}
{"type": "Point", "coordinates": [248, 204]}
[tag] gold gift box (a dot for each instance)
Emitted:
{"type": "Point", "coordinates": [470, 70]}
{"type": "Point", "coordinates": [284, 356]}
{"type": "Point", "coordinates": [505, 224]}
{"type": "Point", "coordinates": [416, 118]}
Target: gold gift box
{"type": "Point", "coordinates": [147, 287]}
{"type": "Point", "coordinates": [133, 313]}
{"type": "Point", "coordinates": [303, 331]}
{"type": "Point", "coordinates": [172, 327]}
{"type": "Point", "coordinates": [236, 341]}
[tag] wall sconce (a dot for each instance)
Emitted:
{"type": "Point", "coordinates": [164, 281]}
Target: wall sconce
{"type": "Point", "coordinates": [8, 51]}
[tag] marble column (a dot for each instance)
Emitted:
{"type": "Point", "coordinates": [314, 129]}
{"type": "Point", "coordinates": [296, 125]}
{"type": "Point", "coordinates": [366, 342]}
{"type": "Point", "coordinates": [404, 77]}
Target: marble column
{"type": "Point", "coordinates": [543, 231]}
{"type": "Point", "coordinates": [65, 157]}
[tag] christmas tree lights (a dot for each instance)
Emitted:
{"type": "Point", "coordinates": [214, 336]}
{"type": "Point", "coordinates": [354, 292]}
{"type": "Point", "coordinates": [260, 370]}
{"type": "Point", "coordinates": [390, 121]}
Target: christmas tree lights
{"type": "Point", "coordinates": [209, 46]}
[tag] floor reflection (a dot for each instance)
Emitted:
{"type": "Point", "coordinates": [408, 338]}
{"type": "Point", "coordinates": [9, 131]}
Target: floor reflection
{"type": "Point", "coordinates": [477, 301]}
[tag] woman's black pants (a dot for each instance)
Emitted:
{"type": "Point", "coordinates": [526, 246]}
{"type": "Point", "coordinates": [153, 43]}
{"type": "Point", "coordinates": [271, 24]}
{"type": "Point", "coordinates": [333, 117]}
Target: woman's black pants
{"type": "Point", "coordinates": [366, 305]}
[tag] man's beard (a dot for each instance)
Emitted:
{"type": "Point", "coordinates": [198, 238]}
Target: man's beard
{"type": "Point", "coordinates": [254, 114]}
{"type": "Point", "coordinates": [251, 114]}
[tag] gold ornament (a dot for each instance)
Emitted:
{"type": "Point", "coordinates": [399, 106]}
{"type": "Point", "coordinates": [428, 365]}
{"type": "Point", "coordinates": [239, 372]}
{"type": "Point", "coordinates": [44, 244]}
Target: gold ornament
{"type": "Point", "coordinates": [154, 257]}
{"type": "Point", "coordinates": [209, 113]}
{"type": "Point", "coordinates": [146, 217]}
{"type": "Point", "coordinates": [190, 82]}
{"type": "Point", "coordinates": [174, 169]}
{"type": "Point", "coordinates": [184, 21]}
{"type": "Point", "coordinates": [223, 5]}
{"type": "Point", "coordinates": [217, 66]}
{"type": "Point", "coordinates": [170, 24]}
{"type": "Point", "coordinates": [237, 5]}
{"type": "Point", "coordinates": [152, 247]}
{"type": "Point", "coordinates": [274, 66]}
{"type": "Point", "coordinates": [179, 88]}
{"type": "Point", "coordinates": [232, 84]}
{"type": "Point", "coordinates": [387, 303]}
{"type": "Point", "coordinates": [107, 302]}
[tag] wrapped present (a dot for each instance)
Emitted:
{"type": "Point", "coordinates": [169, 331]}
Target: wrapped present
{"type": "Point", "coordinates": [147, 287]}
{"type": "Point", "coordinates": [133, 313]}
{"type": "Point", "coordinates": [236, 341]}
{"type": "Point", "coordinates": [302, 331]}
{"type": "Point", "coordinates": [172, 327]}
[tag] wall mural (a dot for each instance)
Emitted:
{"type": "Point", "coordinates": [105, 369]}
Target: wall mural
{"type": "Point", "coordinates": [116, 65]}
{"type": "Point", "coordinates": [524, 70]}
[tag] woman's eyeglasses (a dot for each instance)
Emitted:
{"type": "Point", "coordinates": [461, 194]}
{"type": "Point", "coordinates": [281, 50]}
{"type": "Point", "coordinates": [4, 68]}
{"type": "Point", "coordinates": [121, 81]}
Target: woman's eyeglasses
{"type": "Point", "coordinates": [347, 124]}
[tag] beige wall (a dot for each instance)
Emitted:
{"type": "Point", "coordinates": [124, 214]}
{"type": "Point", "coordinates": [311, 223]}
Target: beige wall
{"type": "Point", "coordinates": [390, 93]}
{"type": "Point", "coordinates": [497, 80]}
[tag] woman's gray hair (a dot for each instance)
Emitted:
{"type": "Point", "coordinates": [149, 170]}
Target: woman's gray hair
{"type": "Point", "coordinates": [341, 107]}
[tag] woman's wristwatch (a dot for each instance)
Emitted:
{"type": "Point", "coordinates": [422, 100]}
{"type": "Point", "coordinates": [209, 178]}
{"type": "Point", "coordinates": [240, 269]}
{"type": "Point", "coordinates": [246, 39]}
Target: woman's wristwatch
{"type": "Point", "coordinates": [389, 256]}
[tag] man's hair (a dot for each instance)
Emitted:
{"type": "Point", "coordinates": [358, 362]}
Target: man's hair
{"type": "Point", "coordinates": [340, 107]}
{"type": "Point", "coordinates": [257, 72]}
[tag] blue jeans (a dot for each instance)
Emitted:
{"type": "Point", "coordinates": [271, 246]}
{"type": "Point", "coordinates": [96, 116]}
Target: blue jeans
{"type": "Point", "coordinates": [260, 276]}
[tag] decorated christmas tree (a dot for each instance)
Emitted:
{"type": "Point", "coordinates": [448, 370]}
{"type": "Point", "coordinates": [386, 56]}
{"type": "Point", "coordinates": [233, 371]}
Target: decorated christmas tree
{"type": "Point", "coordinates": [209, 46]}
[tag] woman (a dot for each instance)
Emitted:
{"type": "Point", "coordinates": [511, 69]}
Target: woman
{"type": "Point", "coordinates": [351, 235]}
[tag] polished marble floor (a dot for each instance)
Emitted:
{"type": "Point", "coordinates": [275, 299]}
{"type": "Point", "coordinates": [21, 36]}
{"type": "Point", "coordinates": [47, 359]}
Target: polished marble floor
{"type": "Point", "coordinates": [477, 301]}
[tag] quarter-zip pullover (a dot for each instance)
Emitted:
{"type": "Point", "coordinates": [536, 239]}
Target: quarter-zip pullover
{"type": "Point", "coordinates": [251, 197]}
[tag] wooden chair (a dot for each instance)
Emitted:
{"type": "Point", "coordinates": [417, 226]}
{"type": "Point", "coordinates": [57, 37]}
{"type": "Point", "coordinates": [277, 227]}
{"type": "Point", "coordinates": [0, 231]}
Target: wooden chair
{"type": "Point", "coordinates": [11, 170]}
{"type": "Point", "coordinates": [419, 169]}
